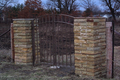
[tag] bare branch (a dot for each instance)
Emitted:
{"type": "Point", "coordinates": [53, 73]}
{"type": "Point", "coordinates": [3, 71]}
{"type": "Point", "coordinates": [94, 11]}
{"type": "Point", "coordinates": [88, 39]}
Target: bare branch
{"type": "Point", "coordinates": [113, 6]}
{"type": "Point", "coordinates": [89, 4]}
{"type": "Point", "coordinates": [64, 5]}
{"type": "Point", "coordinates": [4, 3]}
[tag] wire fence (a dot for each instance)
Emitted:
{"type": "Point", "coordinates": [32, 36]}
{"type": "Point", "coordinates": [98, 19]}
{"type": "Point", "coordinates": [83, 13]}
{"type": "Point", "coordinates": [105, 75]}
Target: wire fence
{"type": "Point", "coordinates": [117, 63]}
{"type": "Point", "coordinates": [117, 51]}
{"type": "Point", "coordinates": [5, 40]}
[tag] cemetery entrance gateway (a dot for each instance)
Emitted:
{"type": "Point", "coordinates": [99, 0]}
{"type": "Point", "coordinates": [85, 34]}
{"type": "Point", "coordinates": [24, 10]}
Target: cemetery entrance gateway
{"type": "Point", "coordinates": [53, 39]}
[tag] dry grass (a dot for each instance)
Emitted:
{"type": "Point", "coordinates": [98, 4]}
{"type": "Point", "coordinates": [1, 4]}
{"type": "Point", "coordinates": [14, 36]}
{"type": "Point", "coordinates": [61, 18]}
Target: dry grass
{"type": "Point", "coordinates": [5, 55]}
{"type": "Point", "coordinates": [5, 52]}
{"type": "Point", "coordinates": [10, 71]}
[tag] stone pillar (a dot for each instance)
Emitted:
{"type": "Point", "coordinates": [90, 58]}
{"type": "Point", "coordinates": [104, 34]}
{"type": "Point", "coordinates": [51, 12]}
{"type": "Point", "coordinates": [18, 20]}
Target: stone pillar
{"type": "Point", "coordinates": [90, 46]}
{"type": "Point", "coordinates": [22, 41]}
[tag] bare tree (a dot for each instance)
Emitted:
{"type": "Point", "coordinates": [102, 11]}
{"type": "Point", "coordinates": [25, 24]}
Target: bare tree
{"type": "Point", "coordinates": [113, 6]}
{"type": "Point", "coordinates": [49, 6]}
{"type": "Point", "coordinates": [66, 6]}
{"type": "Point", "coordinates": [4, 3]}
{"type": "Point", "coordinates": [89, 4]}
{"type": "Point", "coordinates": [118, 1]}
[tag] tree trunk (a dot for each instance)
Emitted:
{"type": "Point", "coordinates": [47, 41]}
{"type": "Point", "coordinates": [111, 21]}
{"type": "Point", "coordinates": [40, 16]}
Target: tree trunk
{"type": "Point", "coordinates": [113, 14]}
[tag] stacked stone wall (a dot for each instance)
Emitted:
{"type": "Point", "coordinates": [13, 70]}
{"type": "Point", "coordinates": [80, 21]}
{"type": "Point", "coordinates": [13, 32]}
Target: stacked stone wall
{"type": "Point", "coordinates": [90, 46]}
{"type": "Point", "coordinates": [22, 41]}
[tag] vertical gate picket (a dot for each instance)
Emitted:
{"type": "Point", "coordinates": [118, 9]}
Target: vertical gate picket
{"type": "Point", "coordinates": [69, 43]}
{"type": "Point", "coordinates": [37, 40]}
{"type": "Point", "coordinates": [33, 43]}
{"type": "Point", "coordinates": [50, 38]}
{"type": "Point", "coordinates": [66, 42]}
{"type": "Point", "coordinates": [62, 42]}
{"type": "Point", "coordinates": [58, 42]}
{"type": "Point", "coordinates": [54, 41]}
{"type": "Point", "coordinates": [39, 23]}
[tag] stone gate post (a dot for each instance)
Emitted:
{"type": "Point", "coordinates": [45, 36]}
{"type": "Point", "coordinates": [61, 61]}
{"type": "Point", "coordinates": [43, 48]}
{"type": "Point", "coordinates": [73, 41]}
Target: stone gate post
{"type": "Point", "coordinates": [90, 46]}
{"type": "Point", "coordinates": [22, 41]}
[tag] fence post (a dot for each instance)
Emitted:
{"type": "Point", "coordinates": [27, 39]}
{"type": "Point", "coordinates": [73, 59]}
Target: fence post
{"type": "Point", "coordinates": [12, 43]}
{"type": "Point", "coordinates": [33, 42]}
{"type": "Point", "coordinates": [113, 49]}
{"type": "Point", "coordinates": [109, 49]}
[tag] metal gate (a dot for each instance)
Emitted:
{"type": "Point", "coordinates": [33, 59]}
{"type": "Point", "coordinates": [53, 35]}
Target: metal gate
{"type": "Point", "coordinates": [53, 40]}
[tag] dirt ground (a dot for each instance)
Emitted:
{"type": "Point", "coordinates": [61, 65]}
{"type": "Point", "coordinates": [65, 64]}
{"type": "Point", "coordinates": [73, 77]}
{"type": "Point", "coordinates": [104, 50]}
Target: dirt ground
{"type": "Point", "coordinates": [10, 71]}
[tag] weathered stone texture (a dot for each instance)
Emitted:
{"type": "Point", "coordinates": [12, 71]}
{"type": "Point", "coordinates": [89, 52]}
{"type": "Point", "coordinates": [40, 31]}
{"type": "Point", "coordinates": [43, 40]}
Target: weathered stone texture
{"type": "Point", "coordinates": [90, 46]}
{"type": "Point", "coordinates": [22, 41]}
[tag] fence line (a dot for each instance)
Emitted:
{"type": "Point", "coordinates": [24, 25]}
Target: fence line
{"type": "Point", "coordinates": [5, 33]}
{"type": "Point", "coordinates": [5, 36]}
{"type": "Point", "coordinates": [117, 32]}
